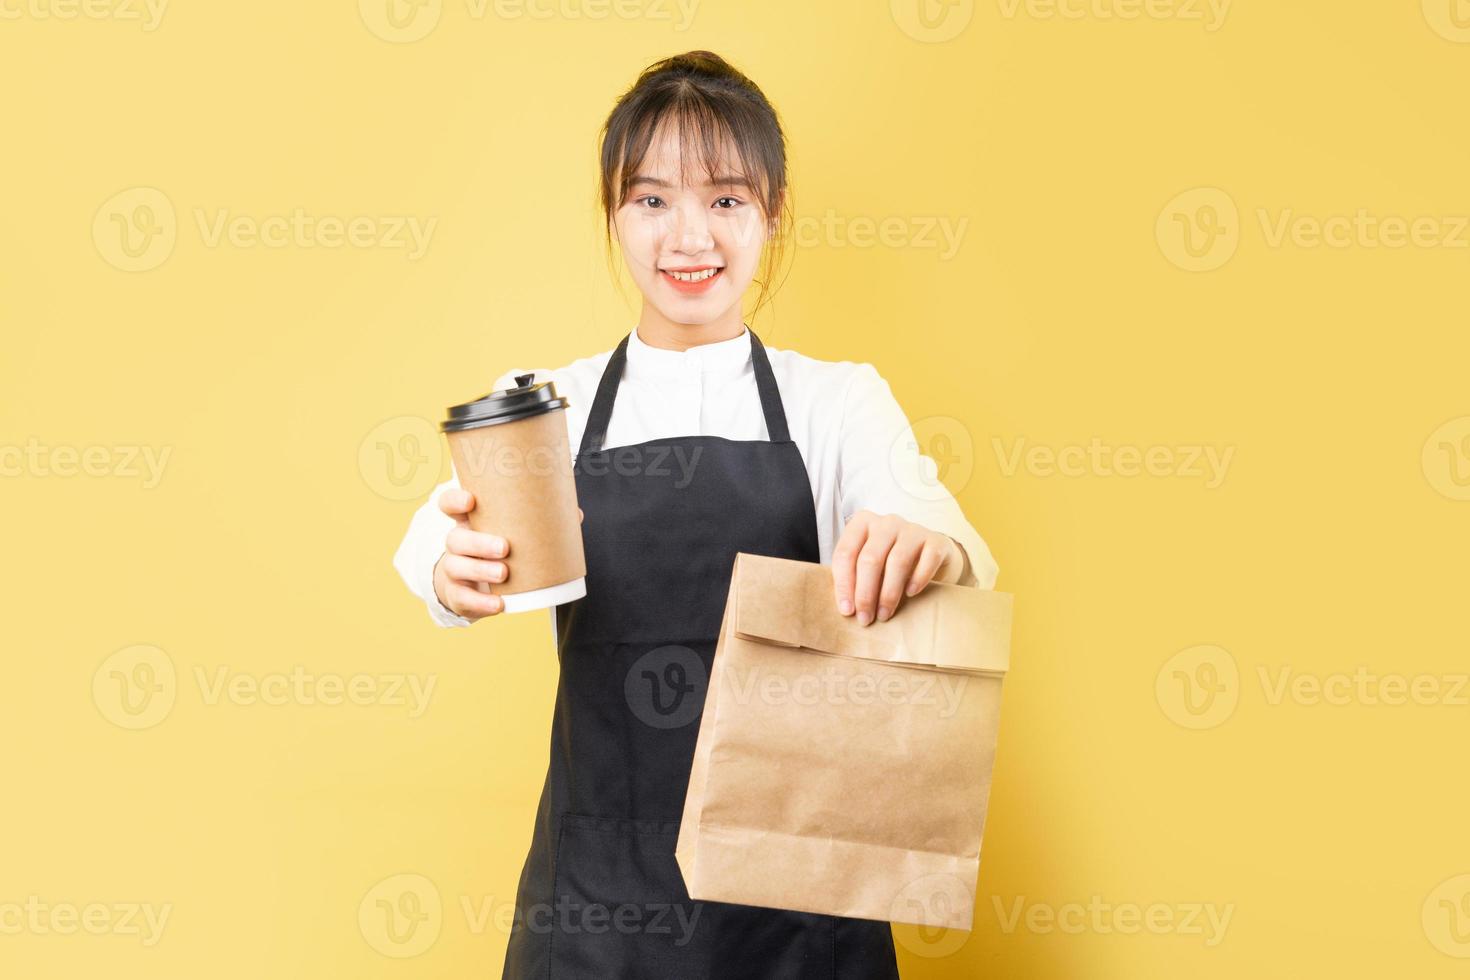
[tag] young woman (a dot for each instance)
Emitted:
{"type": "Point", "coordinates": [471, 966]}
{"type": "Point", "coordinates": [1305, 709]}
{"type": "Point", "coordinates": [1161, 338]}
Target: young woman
{"type": "Point", "coordinates": [770, 452]}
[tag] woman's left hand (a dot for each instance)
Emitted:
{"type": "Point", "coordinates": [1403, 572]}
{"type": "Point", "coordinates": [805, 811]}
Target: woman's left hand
{"type": "Point", "coordinates": [880, 558]}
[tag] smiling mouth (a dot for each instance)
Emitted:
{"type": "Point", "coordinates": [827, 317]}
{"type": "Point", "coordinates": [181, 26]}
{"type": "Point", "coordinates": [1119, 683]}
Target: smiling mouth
{"type": "Point", "coordinates": [693, 275]}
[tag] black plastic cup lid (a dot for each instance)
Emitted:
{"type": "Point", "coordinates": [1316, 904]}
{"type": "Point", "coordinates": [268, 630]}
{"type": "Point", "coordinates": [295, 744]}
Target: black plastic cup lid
{"type": "Point", "coordinates": [521, 402]}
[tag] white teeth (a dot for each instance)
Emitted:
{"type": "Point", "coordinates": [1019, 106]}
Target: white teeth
{"type": "Point", "coordinates": [693, 276]}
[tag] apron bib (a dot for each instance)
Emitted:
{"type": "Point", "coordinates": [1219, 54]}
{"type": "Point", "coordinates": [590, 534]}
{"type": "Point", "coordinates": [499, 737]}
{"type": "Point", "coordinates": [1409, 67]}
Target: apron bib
{"type": "Point", "coordinates": [601, 896]}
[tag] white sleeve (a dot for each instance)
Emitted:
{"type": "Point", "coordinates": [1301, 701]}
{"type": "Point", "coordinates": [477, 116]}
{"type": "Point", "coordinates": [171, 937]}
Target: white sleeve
{"type": "Point", "coordinates": [420, 551]}
{"type": "Point", "coordinates": [880, 468]}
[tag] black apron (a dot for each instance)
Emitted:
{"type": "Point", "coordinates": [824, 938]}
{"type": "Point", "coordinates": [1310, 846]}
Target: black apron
{"type": "Point", "coordinates": [601, 896]}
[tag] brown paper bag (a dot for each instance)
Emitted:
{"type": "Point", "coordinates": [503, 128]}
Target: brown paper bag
{"type": "Point", "coordinates": [845, 769]}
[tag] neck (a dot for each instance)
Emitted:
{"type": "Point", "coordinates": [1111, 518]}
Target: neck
{"type": "Point", "coordinates": [657, 330]}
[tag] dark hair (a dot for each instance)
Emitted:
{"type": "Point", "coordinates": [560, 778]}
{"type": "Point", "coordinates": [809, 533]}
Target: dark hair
{"type": "Point", "coordinates": [710, 102]}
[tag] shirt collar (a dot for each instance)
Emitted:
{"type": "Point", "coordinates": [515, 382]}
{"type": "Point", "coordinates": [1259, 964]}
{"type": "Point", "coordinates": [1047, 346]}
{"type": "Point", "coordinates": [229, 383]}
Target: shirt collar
{"type": "Point", "coordinates": [723, 358]}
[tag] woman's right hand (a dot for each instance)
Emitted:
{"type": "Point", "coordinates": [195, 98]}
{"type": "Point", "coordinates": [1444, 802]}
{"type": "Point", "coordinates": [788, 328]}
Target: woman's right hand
{"type": "Point", "coordinates": [471, 561]}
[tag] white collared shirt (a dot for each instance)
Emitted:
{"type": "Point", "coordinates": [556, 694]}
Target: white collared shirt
{"type": "Point", "coordinates": [859, 451]}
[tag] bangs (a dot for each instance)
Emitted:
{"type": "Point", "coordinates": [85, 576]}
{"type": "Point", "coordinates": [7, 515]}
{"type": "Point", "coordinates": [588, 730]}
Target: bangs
{"type": "Point", "coordinates": [716, 139]}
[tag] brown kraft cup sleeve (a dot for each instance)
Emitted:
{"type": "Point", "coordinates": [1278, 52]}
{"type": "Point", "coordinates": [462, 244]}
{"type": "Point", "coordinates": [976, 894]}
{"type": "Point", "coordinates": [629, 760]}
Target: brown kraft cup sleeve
{"type": "Point", "coordinates": [521, 475]}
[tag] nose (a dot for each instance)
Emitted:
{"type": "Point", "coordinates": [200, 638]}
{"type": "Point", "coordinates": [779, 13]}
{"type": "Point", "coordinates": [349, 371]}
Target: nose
{"type": "Point", "coordinates": [691, 231]}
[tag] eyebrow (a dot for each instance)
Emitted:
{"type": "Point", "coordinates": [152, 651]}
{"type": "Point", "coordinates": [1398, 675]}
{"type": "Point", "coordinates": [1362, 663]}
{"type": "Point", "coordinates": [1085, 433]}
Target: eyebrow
{"type": "Point", "coordinates": [721, 180]}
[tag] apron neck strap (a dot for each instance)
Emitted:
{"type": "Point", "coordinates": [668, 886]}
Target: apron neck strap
{"type": "Point", "coordinates": [607, 391]}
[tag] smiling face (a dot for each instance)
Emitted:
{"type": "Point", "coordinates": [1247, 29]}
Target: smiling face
{"type": "Point", "coordinates": [691, 240]}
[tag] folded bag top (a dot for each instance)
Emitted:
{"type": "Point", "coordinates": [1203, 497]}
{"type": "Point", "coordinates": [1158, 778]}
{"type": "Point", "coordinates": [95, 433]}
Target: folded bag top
{"type": "Point", "coordinates": [793, 604]}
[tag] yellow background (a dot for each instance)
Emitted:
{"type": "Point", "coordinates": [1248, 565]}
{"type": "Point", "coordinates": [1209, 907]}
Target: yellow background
{"type": "Point", "coordinates": [1336, 540]}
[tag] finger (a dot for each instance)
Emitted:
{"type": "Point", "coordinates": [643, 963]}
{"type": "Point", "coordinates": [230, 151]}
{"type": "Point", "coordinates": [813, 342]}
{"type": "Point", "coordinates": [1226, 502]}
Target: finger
{"type": "Point", "coordinates": [581, 516]}
{"type": "Point", "coordinates": [456, 502]}
{"type": "Point", "coordinates": [470, 603]}
{"type": "Point", "coordinates": [870, 564]}
{"type": "Point", "coordinates": [476, 544]}
{"type": "Point", "coordinates": [896, 571]}
{"type": "Point", "coordinates": [933, 555]}
{"type": "Point", "coordinates": [844, 561]}
{"type": "Point", "coordinates": [462, 568]}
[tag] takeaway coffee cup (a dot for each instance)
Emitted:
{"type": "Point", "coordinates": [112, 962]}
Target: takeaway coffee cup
{"type": "Point", "coordinates": [511, 451]}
